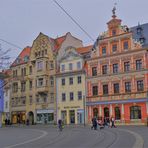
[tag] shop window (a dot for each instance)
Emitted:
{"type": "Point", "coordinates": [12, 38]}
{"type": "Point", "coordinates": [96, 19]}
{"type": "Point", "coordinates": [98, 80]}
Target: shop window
{"type": "Point", "coordinates": [135, 112]}
{"type": "Point", "coordinates": [117, 113]}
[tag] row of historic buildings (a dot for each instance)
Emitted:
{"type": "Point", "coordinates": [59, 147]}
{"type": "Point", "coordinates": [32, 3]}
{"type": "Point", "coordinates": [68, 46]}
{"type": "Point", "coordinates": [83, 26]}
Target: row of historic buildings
{"type": "Point", "coordinates": [59, 78]}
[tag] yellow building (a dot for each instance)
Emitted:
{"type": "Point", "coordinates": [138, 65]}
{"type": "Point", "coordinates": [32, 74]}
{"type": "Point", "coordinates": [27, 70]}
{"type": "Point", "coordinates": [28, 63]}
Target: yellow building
{"type": "Point", "coordinates": [70, 83]}
{"type": "Point", "coordinates": [33, 94]}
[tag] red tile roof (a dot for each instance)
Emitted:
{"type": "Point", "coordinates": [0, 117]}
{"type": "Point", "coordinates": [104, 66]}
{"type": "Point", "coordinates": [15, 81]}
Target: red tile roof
{"type": "Point", "coordinates": [83, 50]}
{"type": "Point", "coordinates": [20, 59]}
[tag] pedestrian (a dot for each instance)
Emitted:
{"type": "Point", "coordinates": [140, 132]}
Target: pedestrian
{"type": "Point", "coordinates": [92, 121]}
{"type": "Point", "coordinates": [113, 122]}
{"type": "Point", "coordinates": [27, 122]}
{"type": "Point", "coordinates": [60, 125]}
{"type": "Point", "coordinates": [95, 124]}
{"type": "Point", "coordinates": [6, 122]}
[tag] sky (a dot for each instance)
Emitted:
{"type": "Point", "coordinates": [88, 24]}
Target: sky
{"type": "Point", "coordinates": [22, 20]}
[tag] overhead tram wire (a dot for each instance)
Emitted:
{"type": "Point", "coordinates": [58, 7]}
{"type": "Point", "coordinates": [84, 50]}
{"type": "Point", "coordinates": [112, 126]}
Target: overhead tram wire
{"type": "Point", "coordinates": [73, 20]}
{"type": "Point", "coordinates": [14, 45]}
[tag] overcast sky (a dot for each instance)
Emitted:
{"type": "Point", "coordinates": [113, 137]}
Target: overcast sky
{"type": "Point", "coordinates": [22, 20]}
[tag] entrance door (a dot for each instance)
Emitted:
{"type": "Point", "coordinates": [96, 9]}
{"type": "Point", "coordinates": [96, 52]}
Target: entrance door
{"type": "Point", "coordinates": [64, 116]}
{"type": "Point", "coordinates": [80, 117]}
{"type": "Point", "coordinates": [72, 116]}
{"type": "Point", "coordinates": [106, 112]}
{"type": "Point", "coordinates": [31, 117]}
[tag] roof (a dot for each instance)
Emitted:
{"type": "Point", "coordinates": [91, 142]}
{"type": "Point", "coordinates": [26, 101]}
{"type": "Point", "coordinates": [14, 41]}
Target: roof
{"type": "Point", "coordinates": [142, 34]}
{"type": "Point", "coordinates": [83, 50]}
{"type": "Point", "coordinates": [23, 57]}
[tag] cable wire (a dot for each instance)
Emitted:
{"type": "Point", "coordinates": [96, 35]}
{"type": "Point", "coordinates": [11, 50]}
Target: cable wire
{"type": "Point", "coordinates": [73, 19]}
{"type": "Point", "coordinates": [14, 45]}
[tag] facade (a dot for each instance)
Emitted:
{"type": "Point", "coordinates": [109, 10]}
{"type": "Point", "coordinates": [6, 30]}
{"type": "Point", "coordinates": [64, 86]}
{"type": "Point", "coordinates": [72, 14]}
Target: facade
{"type": "Point", "coordinates": [70, 83]}
{"type": "Point", "coordinates": [117, 74]}
{"type": "Point", "coordinates": [7, 95]}
{"type": "Point", "coordinates": [33, 94]}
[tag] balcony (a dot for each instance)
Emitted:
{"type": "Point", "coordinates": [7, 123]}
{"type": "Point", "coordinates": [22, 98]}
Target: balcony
{"type": "Point", "coordinates": [42, 89]}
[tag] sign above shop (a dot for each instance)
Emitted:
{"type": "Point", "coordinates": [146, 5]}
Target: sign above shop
{"type": "Point", "coordinates": [41, 111]}
{"type": "Point", "coordinates": [67, 107]}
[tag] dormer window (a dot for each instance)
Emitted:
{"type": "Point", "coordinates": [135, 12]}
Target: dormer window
{"type": "Point", "coordinates": [125, 45]}
{"type": "Point", "coordinates": [142, 40]}
{"type": "Point", "coordinates": [139, 30]}
{"type": "Point", "coordinates": [113, 32]}
{"type": "Point", "coordinates": [26, 58]}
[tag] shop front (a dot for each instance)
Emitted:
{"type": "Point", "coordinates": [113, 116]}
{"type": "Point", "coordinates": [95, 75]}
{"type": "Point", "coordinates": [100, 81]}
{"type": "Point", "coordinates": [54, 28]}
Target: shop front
{"type": "Point", "coordinates": [45, 116]}
{"type": "Point", "coordinates": [18, 117]}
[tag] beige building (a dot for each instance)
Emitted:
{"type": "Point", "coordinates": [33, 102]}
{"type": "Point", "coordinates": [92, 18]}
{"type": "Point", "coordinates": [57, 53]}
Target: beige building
{"type": "Point", "coordinates": [33, 89]}
{"type": "Point", "coordinates": [70, 83]}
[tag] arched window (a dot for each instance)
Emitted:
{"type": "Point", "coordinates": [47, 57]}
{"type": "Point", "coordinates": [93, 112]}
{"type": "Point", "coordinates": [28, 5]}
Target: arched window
{"type": "Point", "coordinates": [135, 112]}
{"type": "Point", "coordinates": [117, 113]}
{"type": "Point", "coordinates": [106, 112]}
{"type": "Point", "coordinates": [95, 112]}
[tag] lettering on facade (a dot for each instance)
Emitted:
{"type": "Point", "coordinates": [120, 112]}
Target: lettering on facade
{"type": "Point", "coordinates": [67, 107]}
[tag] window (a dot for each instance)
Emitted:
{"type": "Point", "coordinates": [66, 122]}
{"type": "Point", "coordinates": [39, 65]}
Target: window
{"type": "Point", "coordinates": [51, 81]}
{"type": "Point", "coordinates": [23, 71]}
{"type": "Point", "coordinates": [104, 69]}
{"type": "Point", "coordinates": [15, 87]}
{"type": "Point", "coordinates": [40, 65]}
{"type": "Point", "coordinates": [63, 81]}
{"type": "Point", "coordinates": [30, 70]}
{"type": "Point", "coordinates": [71, 80]}
{"type": "Point", "coordinates": [135, 112]}
{"type": "Point", "coordinates": [70, 66]}
{"type": "Point", "coordinates": [138, 64]}
{"type": "Point", "coordinates": [95, 90]}
{"type": "Point", "coordinates": [51, 97]}
{"type": "Point", "coordinates": [105, 89]}
{"type": "Point", "coordinates": [51, 65]}
{"type": "Point", "coordinates": [6, 104]}
{"type": "Point", "coordinates": [140, 85]}
{"type": "Point", "coordinates": [114, 47]}
{"type": "Point", "coordinates": [40, 82]}
{"type": "Point", "coordinates": [30, 99]}
{"type": "Point", "coordinates": [104, 50]}
{"type": "Point", "coordinates": [94, 71]}
{"type": "Point", "coordinates": [79, 95]}
{"type": "Point", "coordinates": [125, 45]}
{"type": "Point", "coordinates": [116, 88]}
{"type": "Point", "coordinates": [42, 53]}
{"type": "Point", "coordinates": [23, 86]}
{"type": "Point", "coordinates": [63, 68]}
{"type": "Point", "coordinates": [30, 85]}
{"type": "Point", "coordinates": [126, 66]}
{"type": "Point", "coordinates": [79, 79]}
{"type": "Point", "coordinates": [127, 86]}
{"type": "Point", "coordinates": [63, 97]}
{"type": "Point", "coordinates": [113, 32]}
{"type": "Point", "coordinates": [115, 68]}
{"type": "Point", "coordinates": [78, 65]}
{"type": "Point", "coordinates": [71, 96]}
{"type": "Point", "coordinates": [37, 100]}
{"type": "Point", "coordinates": [117, 113]}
